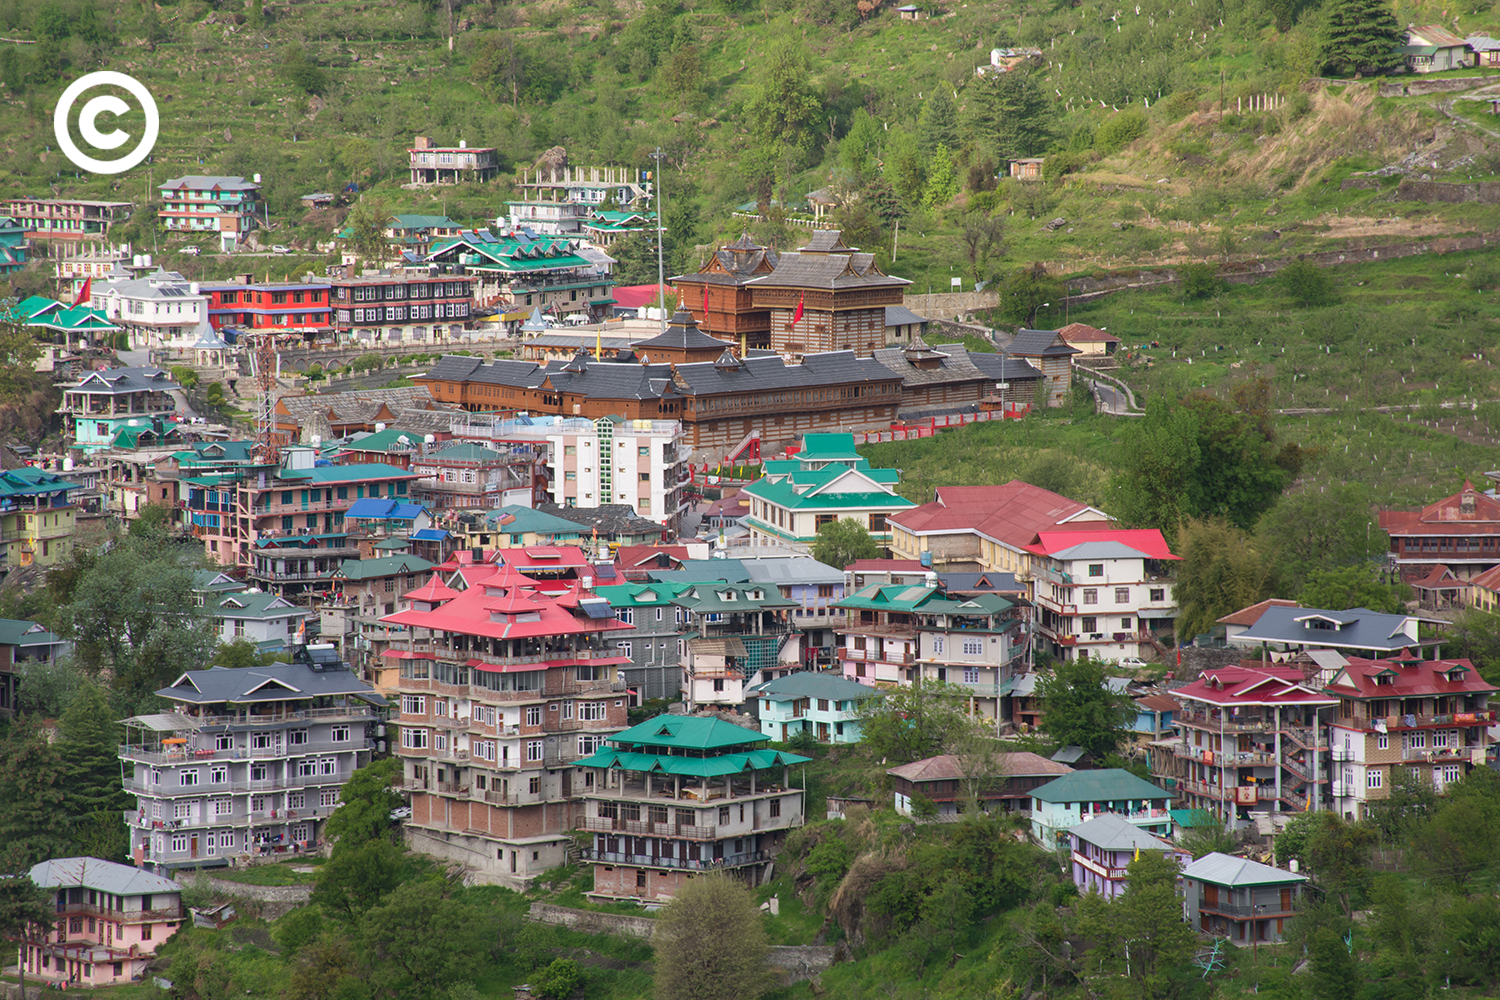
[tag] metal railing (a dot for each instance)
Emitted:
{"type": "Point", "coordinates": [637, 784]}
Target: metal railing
{"type": "Point", "coordinates": [686, 864]}
{"type": "Point", "coordinates": [1273, 909]}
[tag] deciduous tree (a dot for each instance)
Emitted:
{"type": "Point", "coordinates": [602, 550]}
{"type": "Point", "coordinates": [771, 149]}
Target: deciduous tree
{"type": "Point", "coordinates": [842, 542]}
{"type": "Point", "coordinates": [1221, 569]}
{"type": "Point", "coordinates": [1081, 710]}
{"type": "Point", "coordinates": [25, 907]}
{"type": "Point", "coordinates": [910, 723]}
{"type": "Point", "coordinates": [983, 234]}
{"type": "Point", "coordinates": [424, 938]}
{"type": "Point", "coordinates": [1325, 528]}
{"type": "Point", "coordinates": [710, 943]}
{"type": "Point", "coordinates": [1352, 587]}
{"type": "Point", "coordinates": [1141, 933]}
{"type": "Point", "coordinates": [365, 805]}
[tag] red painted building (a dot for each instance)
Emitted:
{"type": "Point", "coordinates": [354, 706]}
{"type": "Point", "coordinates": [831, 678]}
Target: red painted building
{"type": "Point", "coordinates": [283, 306]}
{"type": "Point", "coordinates": [1461, 532]}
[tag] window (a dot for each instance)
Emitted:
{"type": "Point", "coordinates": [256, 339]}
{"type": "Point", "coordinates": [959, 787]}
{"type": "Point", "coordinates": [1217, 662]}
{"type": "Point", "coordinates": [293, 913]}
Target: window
{"type": "Point", "coordinates": [328, 765]}
{"type": "Point", "coordinates": [1451, 772]}
{"type": "Point", "coordinates": [1090, 595]}
{"type": "Point", "coordinates": [1122, 595]}
{"type": "Point", "coordinates": [1125, 624]}
{"type": "Point", "coordinates": [533, 715]}
{"type": "Point", "coordinates": [535, 785]}
{"type": "Point", "coordinates": [1374, 779]}
{"type": "Point", "coordinates": [260, 741]}
{"type": "Point", "coordinates": [328, 797]}
{"type": "Point", "coordinates": [296, 800]}
{"type": "Point", "coordinates": [188, 776]}
{"type": "Point", "coordinates": [775, 808]}
{"type": "Point", "coordinates": [224, 741]}
{"type": "Point", "coordinates": [1096, 569]}
{"type": "Point", "coordinates": [1158, 594]}
{"type": "Point", "coordinates": [414, 739]}
{"type": "Point", "coordinates": [296, 737]}
{"type": "Point", "coordinates": [723, 814]}
{"type": "Point", "coordinates": [973, 647]}
{"type": "Point", "coordinates": [307, 768]}
{"type": "Point", "coordinates": [533, 750]}
{"type": "Point", "coordinates": [146, 928]}
{"type": "Point", "coordinates": [259, 772]}
{"type": "Point", "coordinates": [339, 734]}
{"type": "Point", "coordinates": [589, 745]}
{"type": "Point", "coordinates": [1089, 624]}
{"type": "Point", "coordinates": [971, 675]}
{"type": "Point", "coordinates": [179, 843]}
{"type": "Point", "coordinates": [225, 839]}
{"type": "Point", "coordinates": [218, 775]}
{"type": "Point", "coordinates": [182, 810]}
{"type": "Point", "coordinates": [1383, 742]}
{"type": "Point", "coordinates": [413, 704]}
{"type": "Point", "coordinates": [1417, 741]}
{"type": "Point", "coordinates": [591, 711]}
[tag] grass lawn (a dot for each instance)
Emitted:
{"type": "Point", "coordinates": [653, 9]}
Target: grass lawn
{"type": "Point", "coordinates": [280, 873]}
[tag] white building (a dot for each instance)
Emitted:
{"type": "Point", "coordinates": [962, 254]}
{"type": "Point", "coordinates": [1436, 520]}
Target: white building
{"type": "Point", "coordinates": [548, 218]}
{"type": "Point", "coordinates": [268, 620]}
{"type": "Point", "coordinates": [826, 482]}
{"type": "Point", "coordinates": [1102, 593]}
{"type": "Point", "coordinates": [161, 310]}
{"type": "Point", "coordinates": [249, 762]}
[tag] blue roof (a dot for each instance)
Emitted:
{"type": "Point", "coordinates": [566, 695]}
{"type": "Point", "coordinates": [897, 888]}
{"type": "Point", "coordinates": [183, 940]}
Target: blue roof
{"type": "Point", "coordinates": [429, 535]}
{"type": "Point", "coordinates": [380, 508]}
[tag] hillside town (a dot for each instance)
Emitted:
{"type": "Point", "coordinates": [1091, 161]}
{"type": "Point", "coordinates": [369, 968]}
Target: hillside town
{"type": "Point", "coordinates": [591, 594]}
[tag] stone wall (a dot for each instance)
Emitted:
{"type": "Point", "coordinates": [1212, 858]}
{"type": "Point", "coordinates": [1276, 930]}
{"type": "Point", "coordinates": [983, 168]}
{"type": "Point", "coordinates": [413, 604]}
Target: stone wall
{"type": "Point", "coordinates": [1446, 85]}
{"type": "Point", "coordinates": [940, 305]}
{"type": "Point", "coordinates": [272, 900]}
{"type": "Point", "coordinates": [796, 962]}
{"type": "Point", "coordinates": [1196, 660]}
{"type": "Point", "coordinates": [1484, 192]}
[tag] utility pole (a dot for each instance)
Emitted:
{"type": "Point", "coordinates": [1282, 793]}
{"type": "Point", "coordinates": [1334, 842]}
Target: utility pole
{"type": "Point", "coordinates": [661, 281]}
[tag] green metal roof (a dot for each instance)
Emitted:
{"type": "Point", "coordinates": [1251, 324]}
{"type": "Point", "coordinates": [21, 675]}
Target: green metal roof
{"type": "Point", "coordinates": [386, 440]}
{"type": "Point", "coordinates": [526, 519]}
{"type": "Point", "coordinates": [1109, 785]}
{"type": "Point", "coordinates": [368, 569]}
{"type": "Point", "coordinates": [641, 595]}
{"type": "Point", "coordinates": [247, 605]}
{"type": "Point", "coordinates": [424, 222]}
{"type": "Point", "coordinates": [692, 767]}
{"type": "Point", "coordinates": [687, 732]}
{"type": "Point", "coordinates": [1193, 818]}
{"type": "Point", "coordinates": [16, 632]}
{"type": "Point", "coordinates": [343, 474]}
{"type": "Point", "coordinates": [712, 598]}
{"type": "Point", "coordinates": [29, 482]}
{"type": "Point", "coordinates": [812, 684]}
{"type": "Point", "coordinates": [828, 447]}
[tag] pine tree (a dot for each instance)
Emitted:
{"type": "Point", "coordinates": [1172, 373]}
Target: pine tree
{"type": "Point", "coordinates": [1006, 115]}
{"type": "Point", "coordinates": [94, 798]}
{"type": "Point", "coordinates": [32, 779]}
{"type": "Point", "coordinates": [938, 124]}
{"type": "Point", "coordinates": [1361, 37]}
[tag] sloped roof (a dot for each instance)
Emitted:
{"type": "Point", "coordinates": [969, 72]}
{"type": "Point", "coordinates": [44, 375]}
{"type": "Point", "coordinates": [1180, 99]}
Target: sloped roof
{"type": "Point", "coordinates": [1434, 34]}
{"type": "Point", "coordinates": [1408, 677]}
{"type": "Point", "coordinates": [104, 876]}
{"type": "Point", "coordinates": [832, 271]}
{"type": "Point", "coordinates": [1013, 513]}
{"type": "Point", "coordinates": [118, 381]}
{"type": "Point", "coordinates": [247, 605]}
{"type": "Point", "coordinates": [516, 520]}
{"type": "Point", "coordinates": [1109, 785]}
{"type": "Point", "coordinates": [1357, 628]}
{"type": "Point", "coordinates": [682, 334]}
{"type": "Point", "coordinates": [1467, 512]}
{"type": "Point", "coordinates": [636, 595]}
{"type": "Point", "coordinates": [796, 570]}
{"type": "Point", "coordinates": [1234, 686]}
{"type": "Point", "coordinates": [371, 569]}
{"type": "Point", "coordinates": [687, 732]}
{"type": "Point", "coordinates": [1251, 615]}
{"type": "Point", "coordinates": [1110, 832]}
{"type": "Point", "coordinates": [383, 509]}
{"type": "Point", "coordinates": [276, 682]}
{"type": "Point", "coordinates": [811, 684]}
{"type": "Point", "coordinates": [1102, 543]}
{"type": "Point", "coordinates": [1082, 333]}
{"type": "Point", "coordinates": [1039, 344]}
{"type": "Point", "coordinates": [1225, 869]}
{"type": "Point", "coordinates": [946, 767]}
{"type": "Point", "coordinates": [18, 632]}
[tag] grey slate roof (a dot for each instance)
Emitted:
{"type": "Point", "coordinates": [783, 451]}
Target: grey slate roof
{"type": "Point", "coordinates": [118, 381]}
{"type": "Point", "coordinates": [1225, 869]}
{"type": "Point", "coordinates": [207, 182]}
{"type": "Point", "coordinates": [811, 684]}
{"type": "Point", "coordinates": [950, 370]}
{"type": "Point", "coordinates": [984, 583]}
{"type": "Point", "coordinates": [827, 270]}
{"type": "Point", "coordinates": [1039, 344]}
{"type": "Point", "coordinates": [105, 876]}
{"type": "Point", "coordinates": [701, 570]}
{"type": "Point", "coordinates": [1357, 628]}
{"type": "Point", "coordinates": [826, 241]}
{"type": "Point", "coordinates": [791, 571]}
{"type": "Point", "coordinates": [1110, 832]}
{"type": "Point", "coordinates": [997, 367]}
{"type": "Point", "coordinates": [772, 373]}
{"type": "Point", "coordinates": [901, 316]}
{"type": "Point", "coordinates": [682, 333]}
{"type": "Point", "coordinates": [609, 518]}
{"type": "Point", "coordinates": [277, 682]}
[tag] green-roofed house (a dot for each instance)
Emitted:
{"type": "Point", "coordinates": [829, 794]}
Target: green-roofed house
{"type": "Point", "coordinates": [516, 527]}
{"type": "Point", "coordinates": [826, 481]}
{"type": "Point", "coordinates": [23, 642]}
{"type": "Point", "coordinates": [268, 620]}
{"type": "Point", "coordinates": [655, 669]}
{"type": "Point", "coordinates": [736, 635]}
{"type": "Point", "coordinates": [13, 245]}
{"type": "Point", "coordinates": [375, 585]}
{"type": "Point", "coordinates": [680, 794]}
{"type": "Point", "coordinates": [808, 701]}
{"type": "Point", "coordinates": [604, 226]}
{"type": "Point", "coordinates": [36, 518]}
{"type": "Point", "coordinates": [515, 272]}
{"type": "Point", "coordinates": [1084, 795]}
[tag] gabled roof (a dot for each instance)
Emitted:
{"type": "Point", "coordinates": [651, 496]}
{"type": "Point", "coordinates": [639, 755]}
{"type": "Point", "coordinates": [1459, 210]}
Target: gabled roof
{"type": "Point", "coordinates": [1102, 543]}
{"type": "Point", "coordinates": [1110, 832]}
{"type": "Point", "coordinates": [374, 569]}
{"type": "Point", "coordinates": [276, 682]}
{"type": "Point", "coordinates": [811, 684]}
{"type": "Point", "coordinates": [1435, 35]}
{"type": "Point", "coordinates": [1251, 615]}
{"type": "Point", "coordinates": [1040, 344]}
{"type": "Point", "coordinates": [208, 182]}
{"type": "Point", "coordinates": [828, 270]}
{"type": "Point", "coordinates": [1227, 870]}
{"type": "Point", "coordinates": [18, 632]}
{"type": "Point", "coordinates": [1082, 333]}
{"type": "Point", "coordinates": [1467, 512]}
{"type": "Point", "coordinates": [247, 605]}
{"type": "Point", "coordinates": [1013, 513]}
{"type": "Point", "coordinates": [29, 481]}
{"type": "Point", "coordinates": [118, 381]}
{"type": "Point", "coordinates": [947, 767]}
{"type": "Point", "coordinates": [638, 595]}
{"type": "Point", "coordinates": [392, 439]}
{"type": "Point", "coordinates": [1357, 628]}
{"type": "Point", "coordinates": [518, 520]}
{"type": "Point", "coordinates": [1406, 676]}
{"type": "Point", "coordinates": [714, 597]}
{"type": "Point", "coordinates": [1235, 686]}
{"type": "Point", "coordinates": [103, 876]}
{"type": "Point", "coordinates": [803, 570]}
{"type": "Point", "coordinates": [1108, 785]}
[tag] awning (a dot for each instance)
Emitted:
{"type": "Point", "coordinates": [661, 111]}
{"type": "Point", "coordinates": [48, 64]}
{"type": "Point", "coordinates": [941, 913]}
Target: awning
{"type": "Point", "coordinates": [406, 654]}
{"type": "Point", "coordinates": [162, 722]}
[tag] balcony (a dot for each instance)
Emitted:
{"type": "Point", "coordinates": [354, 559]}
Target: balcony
{"type": "Point", "coordinates": [1238, 758]}
{"type": "Point", "coordinates": [192, 755]}
{"type": "Point", "coordinates": [1245, 911]}
{"type": "Point", "coordinates": [1410, 721]}
{"type": "Point", "coordinates": [875, 656]}
{"type": "Point", "coordinates": [129, 916]}
{"type": "Point", "coordinates": [685, 831]}
{"type": "Point", "coordinates": [684, 864]}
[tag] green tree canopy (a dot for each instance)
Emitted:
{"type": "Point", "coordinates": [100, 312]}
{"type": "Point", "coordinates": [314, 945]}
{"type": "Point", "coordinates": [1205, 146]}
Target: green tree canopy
{"type": "Point", "coordinates": [938, 123]}
{"type": "Point", "coordinates": [424, 938]}
{"type": "Point", "coordinates": [784, 112]}
{"type": "Point", "coordinates": [25, 907]}
{"type": "Point", "coordinates": [365, 805]}
{"type": "Point", "coordinates": [1220, 570]}
{"type": "Point", "coordinates": [1352, 587]}
{"type": "Point", "coordinates": [1026, 290]}
{"type": "Point", "coordinates": [1141, 935]}
{"type": "Point", "coordinates": [710, 943]}
{"type": "Point", "coordinates": [1360, 37]}
{"type": "Point", "coordinates": [842, 542]}
{"type": "Point", "coordinates": [33, 791]}
{"type": "Point", "coordinates": [95, 800]}
{"type": "Point", "coordinates": [1080, 708]}
{"type": "Point", "coordinates": [942, 181]}
{"type": "Point", "coordinates": [1006, 115]}
{"type": "Point", "coordinates": [1326, 528]}
{"type": "Point", "coordinates": [909, 723]}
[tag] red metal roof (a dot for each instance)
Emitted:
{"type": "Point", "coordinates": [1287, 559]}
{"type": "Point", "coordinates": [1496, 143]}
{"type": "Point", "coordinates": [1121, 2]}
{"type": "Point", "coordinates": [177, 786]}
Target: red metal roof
{"type": "Point", "coordinates": [1413, 678]}
{"type": "Point", "coordinates": [1249, 616]}
{"type": "Point", "coordinates": [1082, 333]}
{"type": "Point", "coordinates": [1013, 512]}
{"type": "Point", "coordinates": [1488, 580]}
{"type": "Point", "coordinates": [434, 590]}
{"type": "Point", "coordinates": [1235, 685]}
{"type": "Point", "coordinates": [1147, 541]}
{"type": "Point", "coordinates": [469, 614]}
{"type": "Point", "coordinates": [1447, 516]}
{"type": "Point", "coordinates": [1440, 578]}
{"type": "Point", "coordinates": [636, 296]}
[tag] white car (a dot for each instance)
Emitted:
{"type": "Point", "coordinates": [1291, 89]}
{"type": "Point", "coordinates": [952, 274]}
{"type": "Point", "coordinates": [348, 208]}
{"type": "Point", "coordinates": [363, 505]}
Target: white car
{"type": "Point", "coordinates": [278, 248]}
{"type": "Point", "coordinates": [191, 251]}
{"type": "Point", "coordinates": [1133, 663]}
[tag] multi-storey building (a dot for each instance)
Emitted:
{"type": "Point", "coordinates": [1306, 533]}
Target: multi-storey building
{"type": "Point", "coordinates": [452, 164]}
{"type": "Point", "coordinates": [1249, 738]}
{"type": "Point", "coordinates": [285, 523]}
{"type": "Point", "coordinates": [1102, 593]}
{"type": "Point", "coordinates": [1430, 717]}
{"type": "Point", "coordinates": [23, 642]}
{"type": "Point", "coordinates": [303, 307]}
{"type": "Point", "coordinates": [651, 643]}
{"type": "Point", "coordinates": [604, 226]}
{"type": "Point", "coordinates": [505, 683]}
{"type": "Point", "coordinates": [1240, 900]}
{"type": "Point", "coordinates": [548, 218]}
{"type": "Point", "coordinates": [1460, 532]}
{"type": "Point", "coordinates": [161, 309]}
{"type": "Point", "coordinates": [517, 272]}
{"type": "Point", "coordinates": [249, 761]}
{"type": "Point", "coordinates": [827, 481]}
{"type": "Point", "coordinates": [825, 706]}
{"type": "Point", "coordinates": [815, 591]}
{"type": "Point", "coordinates": [425, 304]}
{"type": "Point", "coordinates": [677, 795]}
{"type": "Point", "coordinates": [983, 528]}
{"type": "Point", "coordinates": [464, 474]}
{"type": "Point", "coordinates": [1103, 849]}
{"type": "Point", "coordinates": [92, 261]}
{"type": "Point", "coordinates": [718, 295]}
{"type": "Point", "coordinates": [207, 204]}
{"type": "Point", "coordinates": [110, 920]}
{"type": "Point", "coordinates": [1075, 798]}
{"type": "Point", "coordinates": [104, 403]}
{"type": "Point", "coordinates": [736, 635]}
{"type": "Point", "coordinates": [36, 518]}
{"type": "Point", "coordinates": [13, 245]}
{"type": "Point", "coordinates": [1050, 354]}
{"type": "Point", "coordinates": [587, 186]}
{"type": "Point", "coordinates": [66, 220]}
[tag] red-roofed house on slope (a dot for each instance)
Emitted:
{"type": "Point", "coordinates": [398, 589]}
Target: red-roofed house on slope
{"type": "Point", "coordinates": [1102, 593]}
{"type": "Point", "coordinates": [1461, 532]}
{"type": "Point", "coordinates": [1250, 739]}
{"type": "Point", "coordinates": [980, 528]}
{"type": "Point", "coordinates": [1429, 716]}
{"type": "Point", "coordinates": [1091, 341]}
{"type": "Point", "coordinates": [503, 686]}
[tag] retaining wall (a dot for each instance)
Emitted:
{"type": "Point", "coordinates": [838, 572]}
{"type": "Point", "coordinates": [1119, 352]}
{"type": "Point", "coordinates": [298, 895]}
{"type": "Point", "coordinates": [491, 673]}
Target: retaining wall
{"type": "Point", "coordinates": [1484, 192]}
{"type": "Point", "coordinates": [1447, 85]}
{"type": "Point", "coordinates": [274, 900]}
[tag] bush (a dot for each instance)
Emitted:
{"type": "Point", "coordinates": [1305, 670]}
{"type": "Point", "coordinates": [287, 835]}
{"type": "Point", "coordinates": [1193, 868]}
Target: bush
{"type": "Point", "coordinates": [1059, 165]}
{"type": "Point", "coordinates": [215, 395]}
{"type": "Point", "coordinates": [1120, 131]}
{"type": "Point", "coordinates": [559, 980]}
{"type": "Point", "coordinates": [366, 362]}
{"type": "Point", "coordinates": [1180, 105]}
{"type": "Point", "coordinates": [1306, 283]}
{"type": "Point", "coordinates": [184, 376]}
{"type": "Point", "coordinates": [1199, 281]}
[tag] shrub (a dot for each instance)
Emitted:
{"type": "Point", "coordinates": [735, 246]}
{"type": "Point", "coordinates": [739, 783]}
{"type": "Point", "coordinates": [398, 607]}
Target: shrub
{"type": "Point", "coordinates": [1179, 105]}
{"type": "Point", "coordinates": [366, 362]}
{"type": "Point", "coordinates": [1306, 283]}
{"type": "Point", "coordinates": [559, 980]}
{"type": "Point", "coordinates": [1199, 281]}
{"type": "Point", "coordinates": [1120, 131]}
{"type": "Point", "coordinates": [1061, 164]}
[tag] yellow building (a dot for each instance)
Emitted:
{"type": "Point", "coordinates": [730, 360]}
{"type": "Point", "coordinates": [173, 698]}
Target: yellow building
{"type": "Point", "coordinates": [36, 519]}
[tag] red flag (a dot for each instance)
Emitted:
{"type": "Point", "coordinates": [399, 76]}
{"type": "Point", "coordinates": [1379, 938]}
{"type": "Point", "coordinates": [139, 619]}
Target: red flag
{"type": "Point", "coordinates": [797, 316]}
{"type": "Point", "coordinates": [86, 293]}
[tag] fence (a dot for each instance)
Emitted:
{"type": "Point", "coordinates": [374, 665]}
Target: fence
{"type": "Point", "coordinates": [930, 426]}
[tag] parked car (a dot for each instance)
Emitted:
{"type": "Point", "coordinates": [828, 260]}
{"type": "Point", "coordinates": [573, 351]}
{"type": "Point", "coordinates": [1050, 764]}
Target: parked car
{"type": "Point", "coordinates": [191, 251]}
{"type": "Point", "coordinates": [1133, 663]}
{"type": "Point", "coordinates": [278, 248]}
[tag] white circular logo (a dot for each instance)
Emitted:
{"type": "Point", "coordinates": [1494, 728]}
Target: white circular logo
{"type": "Point", "coordinates": [90, 131]}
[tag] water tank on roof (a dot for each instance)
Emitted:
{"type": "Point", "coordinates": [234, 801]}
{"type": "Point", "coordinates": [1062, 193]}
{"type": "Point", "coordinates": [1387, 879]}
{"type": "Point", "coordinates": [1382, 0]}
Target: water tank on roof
{"type": "Point", "coordinates": [257, 178]}
{"type": "Point", "coordinates": [67, 465]}
{"type": "Point", "coordinates": [463, 144]}
{"type": "Point", "coordinates": [429, 439]}
{"type": "Point", "coordinates": [1293, 866]}
{"type": "Point", "coordinates": [379, 427]}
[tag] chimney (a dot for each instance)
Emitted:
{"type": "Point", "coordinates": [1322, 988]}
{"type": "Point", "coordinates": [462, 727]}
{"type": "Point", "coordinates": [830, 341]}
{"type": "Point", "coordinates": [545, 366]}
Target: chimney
{"type": "Point", "coordinates": [421, 143]}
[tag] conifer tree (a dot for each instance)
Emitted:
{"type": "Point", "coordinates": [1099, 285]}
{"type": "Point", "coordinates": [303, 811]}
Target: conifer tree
{"type": "Point", "coordinates": [1360, 37]}
{"type": "Point", "coordinates": [938, 123]}
{"type": "Point", "coordinates": [93, 796]}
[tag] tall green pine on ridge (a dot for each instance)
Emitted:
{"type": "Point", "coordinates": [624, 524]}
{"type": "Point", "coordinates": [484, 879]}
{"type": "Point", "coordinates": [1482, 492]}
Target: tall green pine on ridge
{"type": "Point", "coordinates": [1361, 36]}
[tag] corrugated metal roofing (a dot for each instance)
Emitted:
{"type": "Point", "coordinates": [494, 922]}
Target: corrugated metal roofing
{"type": "Point", "coordinates": [1227, 870]}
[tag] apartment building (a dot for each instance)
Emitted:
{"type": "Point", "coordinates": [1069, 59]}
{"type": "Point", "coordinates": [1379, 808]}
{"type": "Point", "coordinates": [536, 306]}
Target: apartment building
{"type": "Point", "coordinates": [652, 642]}
{"type": "Point", "coordinates": [1104, 594]}
{"type": "Point", "coordinates": [1250, 738]}
{"type": "Point", "coordinates": [247, 761]}
{"type": "Point", "coordinates": [825, 482]}
{"type": "Point", "coordinates": [110, 920]}
{"type": "Point", "coordinates": [517, 272]}
{"type": "Point", "coordinates": [302, 307]}
{"type": "Point", "coordinates": [208, 204]}
{"type": "Point", "coordinates": [66, 220]}
{"type": "Point", "coordinates": [432, 164]}
{"type": "Point", "coordinates": [36, 518]}
{"type": "Point", "coordinates": [468, 475]}
{"type": "Point", "coordinates": [104, 403]}
{"type": "Point", "coordinates": [588, 186]}
{"type": "Point", "coordinates": [825, 706]}
{"type": "Point", "coordinates": [505, 683]}
{"type": "Point", "coordinates": [158, 310]}
{"type": "Point", "coordinates": [736, 635]}
{"type": "Point", "coordinates": [425, 305]}
{"type": "Point", "coordinates": [815, 590]}
{"type": "Point", "coordinates": [1429, 717]}
{"type": "Point", "coordinates": [676, 795]}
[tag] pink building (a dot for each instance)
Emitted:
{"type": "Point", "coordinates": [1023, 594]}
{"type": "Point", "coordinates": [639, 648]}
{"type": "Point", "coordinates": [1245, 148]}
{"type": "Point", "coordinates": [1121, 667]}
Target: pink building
{"type": "Point", "coordinates": [110, 918]}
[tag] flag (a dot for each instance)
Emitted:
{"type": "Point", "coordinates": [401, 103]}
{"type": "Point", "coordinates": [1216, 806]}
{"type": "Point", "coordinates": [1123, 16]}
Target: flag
{"type": "Point", "coordinates": [797, 316]}
{"type": "Point", "coordinates": [705, 305]}
{"type": "Point", "coordinates": [1138, 852]}
{"type": "Point", "coordinates": [86, 293]}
